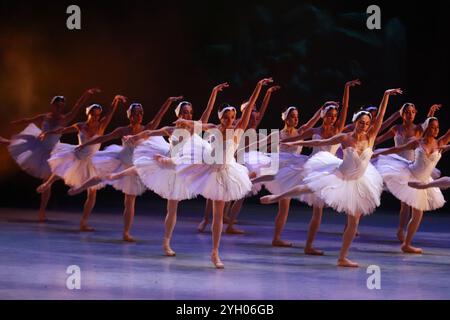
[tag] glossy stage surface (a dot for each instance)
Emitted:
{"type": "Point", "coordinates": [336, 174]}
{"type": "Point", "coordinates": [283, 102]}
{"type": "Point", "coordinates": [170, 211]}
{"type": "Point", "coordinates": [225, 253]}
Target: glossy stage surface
{"type": "Point", "coordinates": [35, 257]}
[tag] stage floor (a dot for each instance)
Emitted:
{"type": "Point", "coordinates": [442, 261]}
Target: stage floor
{"type": "Point", "coordinates": [34, 258]}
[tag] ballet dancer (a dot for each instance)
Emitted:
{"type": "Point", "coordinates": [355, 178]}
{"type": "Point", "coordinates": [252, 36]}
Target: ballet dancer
{"type": "Point", "coordinates": [333, 123]}
{"type": "Point", "coordinates": [351, 185]}
{"type": "Point", "coordinates": [159, 175]}
{"type": "Point", "coordinates": [73, 166]}
{"type": "Point", "coordinates": [397, 172]}
{"type": "Point", "coordinates": [32, 153]}
{"type": "Point", "coordinates": [402, 134]}
{"type": "Point", "coordinates": [115, 159]}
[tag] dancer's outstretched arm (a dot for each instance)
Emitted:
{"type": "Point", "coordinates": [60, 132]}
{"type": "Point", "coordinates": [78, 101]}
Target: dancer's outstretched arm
{"type": "Point", "coordinates": [36, 119]}
{"type": "Point", "coordinates": [116, 134]}
{"type": "Point", "coordinates": [390, 121]}
{"type": "Point", "coordinates": [445, 139]}
{"type": "Point", "coordinates": [104, 122]}
{"type": "Point", "coordinates": [65, 130]}
{"type": "Point", "coordinates": [212, 100]}
{"type": "Point", "coordinates": [70, 116]}
{"type": "Point", "coordinates": [164, 131]}
{"type": "Point", "coordinates": [154, 124]}
{"type": "Point", "coordinates": [340, 123]}
{"type": "Point", "coordinates": [385, 136]}
{"type": "Point", "coordinates": [337, 139]}
{"type": "Point", "coordinates": [408, 146]}
{"type": "Point", "coordinates": [375, 128]}
{"type": "Point", "coordinates": [244, 120]}
{"type": "Point", "coordinates": [305, 131]}
{"type": "Point", "coordinates": [265, 104]}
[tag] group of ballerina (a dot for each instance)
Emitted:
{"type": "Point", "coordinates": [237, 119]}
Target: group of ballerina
{"type": "Point", "coordinates": [344, 171]}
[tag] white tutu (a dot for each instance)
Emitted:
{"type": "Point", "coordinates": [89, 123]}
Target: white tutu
{"type": "Point", "coordinates": [225, 181]}
{"type": "Point", "coordinates": [115, 159]}
{"type": "Point", "coordinates": [397, 172]}
{"type": "Point", "coordinates": [74, 167]}
{"type": "Point", "coordinates": [30, 153]}
{"type": "Point", "coordinates": [350, 185]}
{"type": "Point", "coordinates": [160, 178]}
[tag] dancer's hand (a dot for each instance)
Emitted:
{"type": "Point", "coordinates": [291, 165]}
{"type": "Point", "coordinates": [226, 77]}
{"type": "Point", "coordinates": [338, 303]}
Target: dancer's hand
{"type": "Point", "coordinates": [265, 81]}
{"type": "Point", "coordinates": [444, 148]}
{"type": "Point", "coordinates": [221, 86]}
{"type": "Point", "coordinates": [175, 99]}
{"type": "Point", "coordinates": [273, 89]}
{"type": "Point", "coordinates": [42, 136]}
{"type": "Point", "coordinates": [79, 148]}
{"type": "Point", "coordinates": [353, 83]}
{"type": "Point", "coordinates": [394, 92]}
{"type": "Point", "coordinates": [128, 139]}
{"type": "Point", "coordinates": [119, 98]}
{"type": "Point", "coordinates": [433, 109]}
{"type": "Point", "coordinates": [93, 91]}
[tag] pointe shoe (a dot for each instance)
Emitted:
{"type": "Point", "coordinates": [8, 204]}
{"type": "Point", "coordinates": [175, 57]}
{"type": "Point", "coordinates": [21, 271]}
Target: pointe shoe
{"type": "Point", "coordinates": [128, 238]}
{"type": "Point", "coordinates": [202, 226]}
{"type": "Point", "coordinates": [313, 252]}
{"type": "Point", "coordinates": [281, 243]}
{"type": "Point", "coordinates": [217, 262]}
{"type": "Point", "coordinates": [410, 249]}
{"type": "Point", "coordinates": [347, 263]}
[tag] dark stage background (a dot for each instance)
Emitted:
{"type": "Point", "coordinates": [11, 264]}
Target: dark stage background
{"type": "Point", "coordinates": [149, 50]}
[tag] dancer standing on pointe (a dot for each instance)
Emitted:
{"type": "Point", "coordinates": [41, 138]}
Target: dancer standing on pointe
{"type": "Point", "coordinates": [115, 159]}
{"type": "Point", "coordinates": [397, 172]}
{"type": "Point", "coordinates": [222, 179]}
{"type": "Point", "coordinates": [73, 166]}
{"type": "Point", "coordinates": [351, 185]}
{"type": "Point", "coordinates": [32, 153]}
{"type": "Point", "coordinates": [333, 123]}
{"type": "Point", "coordinates": [159, 175]}
{"type": "Point", "coordinates": [402, 134]}
{"type": "Point", "coordinates": [252, 160]}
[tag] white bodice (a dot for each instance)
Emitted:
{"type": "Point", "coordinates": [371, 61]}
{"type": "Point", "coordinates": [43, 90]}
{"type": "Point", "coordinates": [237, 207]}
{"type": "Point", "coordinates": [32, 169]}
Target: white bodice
{"type": "Point", "coordinates": [51, 139]}
{"type": "Point", "coordinates": [353, 165]}
{"type": "Point", "coordinates": [88, 150]}
{"type": "Point", "coordinates": [331, 148]}
{"type": "Point", "coordinates": [401, 140]}
{"type": "Point", "coordinates": [423, 164]}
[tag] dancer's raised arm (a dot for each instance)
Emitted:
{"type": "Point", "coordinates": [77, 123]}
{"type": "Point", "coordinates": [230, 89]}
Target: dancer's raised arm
{"type": "Point", "coordinates": [104, 122]}
{"type": "Point", "coordinates": [212, 100]}
{"type": "Point", "coordinates": [340, 123]}
{"type": "Point", "coordinates": [265, 104]}
{"type": "Point", "coordinates": [70, 116]}
{"type": "Point", "coordinates": [244, 120]}
{"type": "Point", "coordinates": [153, 124]}
{"type": "Point", "coordinates": [375, 128]}
{"type": "Point", "coordinates": [445, 139]}
{"type": "Point", "coordinates": [433, 109]}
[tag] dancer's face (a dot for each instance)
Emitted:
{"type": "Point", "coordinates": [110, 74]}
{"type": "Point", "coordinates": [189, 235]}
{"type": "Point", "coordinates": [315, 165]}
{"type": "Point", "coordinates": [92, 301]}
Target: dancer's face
{"type": "Point", "coordinates": [186, 112]}
{"type": "Point", "coordinates": [433, 129]}
{"type": "Point", "coordinates": [137, 115]}
{"type": "Point", "coordinates": [409, 114]}
{"type": "Point", "coordinates": [362, 124]}
{"type": "Point", "coordinates": [330, 117]}
{"type": "Point", "coordinates": [292, 119]}
{"type": "Point", "coordinates": [228, 118]}
{"type": "Point", "coordinates": [58, 106]}
{"type": "Point", "coordinates": [95, 114]}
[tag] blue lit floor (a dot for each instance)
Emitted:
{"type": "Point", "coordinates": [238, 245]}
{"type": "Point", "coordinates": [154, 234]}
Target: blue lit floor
{"type": "Point", "coordinates": [34, 258]}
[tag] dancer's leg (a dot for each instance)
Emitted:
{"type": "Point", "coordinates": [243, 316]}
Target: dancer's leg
{"type": "Point", "coordinates": [234, 212]}
{"type": "Point", "coordinates": [280, 222]}
{"type": "Point", "coordinates": [443, 183]}
{"type": "Point", "coordinates": [217, 223]}
{"type": "Point", "coordinates": [208, 210]}
{"type": "Point", "coordinates": [349, 235]}
{"type": "Point", "coordinates": [170, 221]}
{"type": "Point", "coordinates": [128, 216]}
{"type": "Point", "coordinates": [88, 206]}
{"type": "Point", "coordinates": [413, 226]}
{"type": "Point", "coordinates": [314, 225]}
{"type": "Point", "coordinates": [295, 191]}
